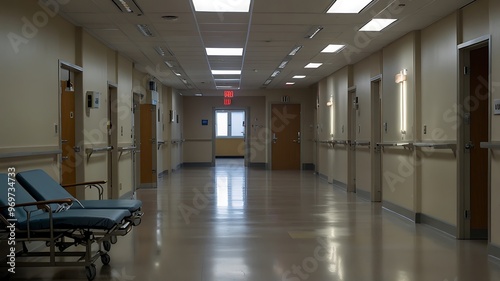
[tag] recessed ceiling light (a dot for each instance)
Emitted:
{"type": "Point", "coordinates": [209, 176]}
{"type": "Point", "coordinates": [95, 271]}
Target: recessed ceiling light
{"type": "Point", "coordinates": [144, 29]}
{"type": "Point", "coordinates": [226, 87]}
{"type": "Point", "coordinates": [227, 80]}
{"type": "Point", "coordinates": [313, 65]}
{"type": "Point", "coordinates": [275, 73]}
{"type": "Point", "coordinates": [299, 77]}
{"type": "Point", "coordinates": [226, 72]}
{"type": "Point", "coordinates": [170, 18]}
{"type": "Point", "coordinates": [159, 50]}
{"type": "Point", "coordinates": [333, 48]}
{"type": "Point", "coordinates": [169, 64]}
{"type": "Point", "coordinates": [268, 81]}
{"type": "Point", "coordinates": [348, 6]}
{"type": "Point", "coordinates": [225, 6]}
{"type": "Point", "coordinates": [283, 64]}
{"type": "Point", "coordinates": [224, 51]}
{"type": "Point", "coordinates": [377, 24]}
{"type": "Point", "coordinates": [290, 83]}
{"type": "Point", "coordinates": [198, 94]}
{"type": "Point", "coordinates": [313, 32]}
{"type": "Point", "coordinates": [295, 50]}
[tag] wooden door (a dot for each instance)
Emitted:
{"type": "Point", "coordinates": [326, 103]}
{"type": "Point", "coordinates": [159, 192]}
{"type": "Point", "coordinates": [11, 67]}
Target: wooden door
{"type": "Point", "coordinates": [148, 145]}
{"type": "Point", "coordinates": [68, 142]}
{"type": "Point", "coordinates": [351, 154]}
{"type": "Point", "coordinates": [286, 136]}
{"type": "Point", "coordinates": [376, 153]}
{"type": "Point", "coordinates": [479, 132]}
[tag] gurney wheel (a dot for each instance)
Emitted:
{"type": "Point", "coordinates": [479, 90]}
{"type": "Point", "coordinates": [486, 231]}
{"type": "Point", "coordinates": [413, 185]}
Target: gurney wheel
{"type": "Point", "coordinates": [91, 272]}
{"type": "Point", "coordinates": [113, 239]}
{"type": "Point", "coordinates": [106, 259]}
{"type": "Point", "coordinates": [106, 245]}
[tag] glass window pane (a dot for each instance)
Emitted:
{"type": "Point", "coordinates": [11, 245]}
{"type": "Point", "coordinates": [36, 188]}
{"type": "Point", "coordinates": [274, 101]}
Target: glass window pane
{"type": "Point", "coordinates": [222, 124]}
{"type": "Point", "coordinates": [237, 119]}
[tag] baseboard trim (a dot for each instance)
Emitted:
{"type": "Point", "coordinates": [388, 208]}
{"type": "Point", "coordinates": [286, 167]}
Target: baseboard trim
{"type": "Point", "coordinates": [399, 210]}
{"type": "Point", "coordinates": [257, 165]}
{"type": "Point", "coordinates": [494, 251]}
{"type": "Point", "coordinates": [323, 177]}
{"type": "Point", "coordinates": [340, 185]}
{"type": "Point", "coordinates": [364, 194]}
{"type": "Point", "coordinates": [308, 167]}
{"type": "Point", "coordinates": [437, 224]}
{"type": "Point", "coordinates": [196, 164]}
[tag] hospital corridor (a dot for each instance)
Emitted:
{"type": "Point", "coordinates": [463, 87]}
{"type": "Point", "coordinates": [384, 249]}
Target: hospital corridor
{"type": "Point", "coordinates": [230, 223]}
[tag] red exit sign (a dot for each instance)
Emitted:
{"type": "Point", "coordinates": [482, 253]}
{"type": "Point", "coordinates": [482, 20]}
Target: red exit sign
{"type": "Point", "coordinates": [228, 94]}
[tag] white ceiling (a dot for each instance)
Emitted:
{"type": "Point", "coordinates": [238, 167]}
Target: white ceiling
{"type": "Point", "coordinates": [268, 33]}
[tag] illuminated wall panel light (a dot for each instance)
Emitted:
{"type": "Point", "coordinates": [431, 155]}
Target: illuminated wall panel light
{"type": "Point", "coordinates": [348, 6]}
{"type": "Point", "coordinates": [226, 72]}
{"type": "Point", "coordinates": [377, 24]}
{"type": "Point", "coordinates": [224, 51]}
{"type": "Point", "coordinates": [333, 48]}
{"type": "Point", "coordinates": [313, 65]}
{"type": "Point", "coordinates": [401, 78]}
{"type": "Point", "coordinates": [227, 6]}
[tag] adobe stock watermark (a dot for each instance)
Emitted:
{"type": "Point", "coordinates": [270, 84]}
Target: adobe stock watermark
{"type": "Point", "coordinates": [203, 197]}
{"type": "Point", "coordinates": [30, 26]}
{"type": "Point", "coordinates": [11, 201]}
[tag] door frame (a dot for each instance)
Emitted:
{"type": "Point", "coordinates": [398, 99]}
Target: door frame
{"type": "Point", "coordinates": [246, 138]}
{"type": "Point", "coordinates": [352, 136]}
{"type": "Point", "coordinates": [463, 159]}
{"type": "Point", "coordinates": [79, 116]}
{"type": "Point", "coordinates": [136, 153]}
{"type": "Point", "coordinates": [376, 135]}
{"type": "Point", "coordinates": [113, 177]}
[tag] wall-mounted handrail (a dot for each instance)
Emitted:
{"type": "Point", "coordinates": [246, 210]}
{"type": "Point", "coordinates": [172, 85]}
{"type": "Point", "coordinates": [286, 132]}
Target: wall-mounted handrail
{"type": "Point", "coordinates": [29, 153]}
{"type": "Point", "coordinates": [92, 150]}
{"type": "Point", "coordinates": [362, 143]}
{"type": "Point", "coordinates": [490, 145]}
{"type": "Point", "coordinates": [437, 145]}
{"type": "Point", "coordinates": [160, 143]}
{"type": "Point", "coordinates": [405, 145]}
{"type": "Point", "coordinates": [126, 149]}
{"type": "Point", "coordinates": [177, 141]}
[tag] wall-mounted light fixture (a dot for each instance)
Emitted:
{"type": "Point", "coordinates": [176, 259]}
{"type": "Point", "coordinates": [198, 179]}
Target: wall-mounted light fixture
{"type": "Point", "coordinates": [401, 78]}
{"type": "Point", "coordinates": [69, 85]}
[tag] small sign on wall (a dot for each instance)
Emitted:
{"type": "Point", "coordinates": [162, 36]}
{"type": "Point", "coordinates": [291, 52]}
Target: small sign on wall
{"type": "Point", "coordinates": [204, 122]}
{"type": "Point", "coordinates": [496, 107]}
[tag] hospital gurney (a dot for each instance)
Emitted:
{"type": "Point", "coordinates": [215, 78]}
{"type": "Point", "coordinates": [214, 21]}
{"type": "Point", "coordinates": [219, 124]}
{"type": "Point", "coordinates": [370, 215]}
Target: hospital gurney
{"type": "Point", "coordinates": [43, 187]}
{"type": "Point", "coordinates": [24, 220]}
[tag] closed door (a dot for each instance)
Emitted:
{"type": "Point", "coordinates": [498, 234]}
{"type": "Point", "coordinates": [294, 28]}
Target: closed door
{"type": "Point", "coordinates": [479, 132]}
{"type": "Point", "coordinates": [351, 156]}
{"type": "Point", "coordinates": [148, 145]}
{"type": "Point", "coordinates": [68, 143]}
{"type": "Point", "coordinates": [286, 136]}
{"type": "Point", "coordinates": [376, 154]}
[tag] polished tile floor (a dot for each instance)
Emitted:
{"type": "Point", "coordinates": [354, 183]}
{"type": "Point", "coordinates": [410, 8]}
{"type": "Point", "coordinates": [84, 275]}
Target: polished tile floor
{"type": "Point", "coordinates": [229, 223]}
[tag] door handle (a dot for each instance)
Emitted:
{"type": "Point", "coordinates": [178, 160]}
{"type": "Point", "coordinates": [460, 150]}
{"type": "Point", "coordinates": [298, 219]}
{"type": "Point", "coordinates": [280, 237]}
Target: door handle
{"type": "Point", "coordinates": [275, 139]}
{"type": "Point", "coordinates": [469, 145]}
{"type": "Point", "coordinates": [64, 158]}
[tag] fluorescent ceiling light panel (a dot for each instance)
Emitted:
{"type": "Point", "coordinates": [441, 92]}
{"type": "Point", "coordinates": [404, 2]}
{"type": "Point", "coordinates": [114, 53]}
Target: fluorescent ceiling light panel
{"type": "Point", "coordinates": [144, 29]}
{"type": "Point", "coordinates": [290, 83]}
{"type": "Point", "coordinates": [198, 94]}
{"type": "Point", "coordinates": [299, 77]}
{"type": "Point", "coordinates": [275, 73]}
{"type": "Point", "coordinates": [313, 65]}
{"type": "Point", "coordinates": [224, 6]}
{"type": "Point", "coordinates": [227, 80]}
{"type": "Point", "coordinates": [226, 72]}
{"type": "Point", "coordinates": [268, 81]}
{"type": "Point", "coordinates": [377, 24]}
{"type": "Point", "coordinates": [348, 6]}
{"type": "Point", "coordinates": [169, 64]}
{"type": "Point", "coordinates": [224, 51]}
{"type": "Point", "coordinates": [295, 50]}
{"type": "Point", "coordinates": [226, 87]}
{"type": "Point", "coordinates": [332, 48]}
{"type": "Point", "coordinates": [283, 64]}
{"type": "Point", "coordinates": [160, 51]}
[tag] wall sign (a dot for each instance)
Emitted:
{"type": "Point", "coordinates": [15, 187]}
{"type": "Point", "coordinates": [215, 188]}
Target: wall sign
{"type": "Point", "coordinates": [204, 122]}
{"type": "Point", "coordinates": [496, 107]}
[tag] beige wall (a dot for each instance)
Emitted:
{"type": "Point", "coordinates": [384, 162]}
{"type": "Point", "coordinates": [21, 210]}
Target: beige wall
{"type": "Point", "coordinates": [438, 173]}
{"type": "Point", "coordinates": [475, 20]}
{"type": "Point", "coordinates": [229, 147]}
